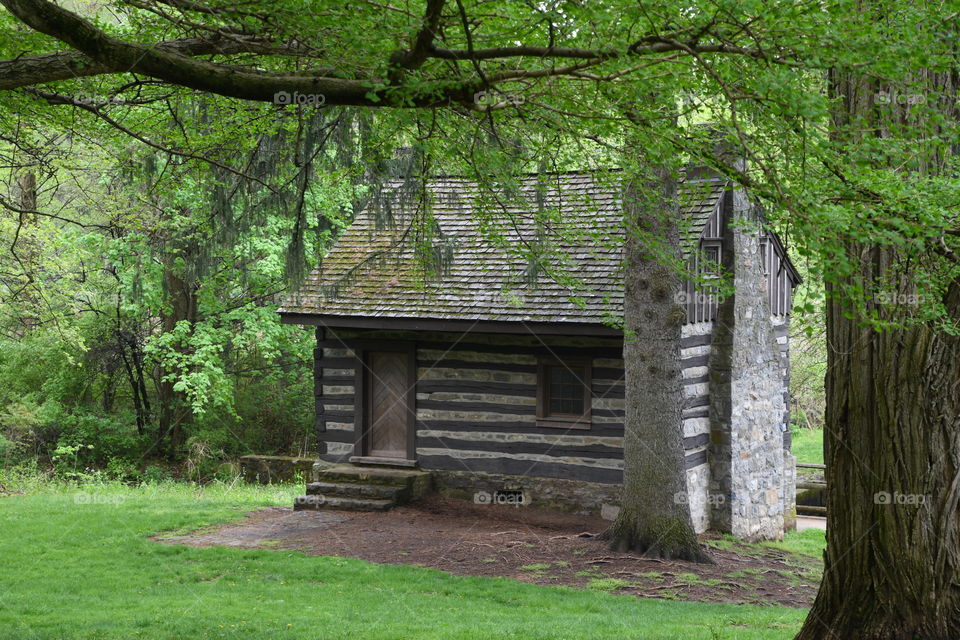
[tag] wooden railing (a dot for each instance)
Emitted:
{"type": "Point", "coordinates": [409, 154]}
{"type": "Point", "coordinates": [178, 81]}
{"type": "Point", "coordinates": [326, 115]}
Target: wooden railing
{"type": "Point", "coordinates": [804, 510]}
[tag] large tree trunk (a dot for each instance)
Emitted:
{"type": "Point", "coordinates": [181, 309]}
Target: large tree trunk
{"type": "Point", "coordinates": [892, 445]}
{"type": "Point", "coordinates": [893, 471]}
{"type": "Point", "coordinates": [654, 516]}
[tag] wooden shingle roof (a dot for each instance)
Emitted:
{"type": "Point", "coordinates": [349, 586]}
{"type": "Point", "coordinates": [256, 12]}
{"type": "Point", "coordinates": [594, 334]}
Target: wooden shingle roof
{"type": "Point", "coordinates": [373, 272]}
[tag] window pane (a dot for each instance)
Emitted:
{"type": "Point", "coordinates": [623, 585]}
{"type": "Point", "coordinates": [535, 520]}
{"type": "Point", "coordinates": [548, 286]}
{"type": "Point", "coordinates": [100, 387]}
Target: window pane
{"type": "Point", "coordinates": [566, 391]}
{"type": "Point", "coordinates": [711, 260]}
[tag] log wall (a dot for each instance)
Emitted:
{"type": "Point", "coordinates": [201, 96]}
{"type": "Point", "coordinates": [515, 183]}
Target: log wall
{"type": "Point", "coordinates": [476, 402]}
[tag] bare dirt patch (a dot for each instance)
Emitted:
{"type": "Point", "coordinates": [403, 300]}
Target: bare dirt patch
{"type": "Point", "coordinates": [533, 545]}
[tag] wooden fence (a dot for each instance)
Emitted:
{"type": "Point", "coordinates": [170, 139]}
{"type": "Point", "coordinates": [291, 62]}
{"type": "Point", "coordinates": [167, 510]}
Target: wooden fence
{"type": "Point", "coordinates": [810, 510]}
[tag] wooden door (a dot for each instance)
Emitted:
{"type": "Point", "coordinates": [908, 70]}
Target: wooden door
{"type": "Point", "coordinates": [387, 411]}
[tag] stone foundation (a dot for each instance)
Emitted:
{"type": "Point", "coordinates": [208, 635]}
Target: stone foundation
{"type": "Point", "coordinates": [270, 469]}
{"type": "Point", "coordinates": [583, 498]}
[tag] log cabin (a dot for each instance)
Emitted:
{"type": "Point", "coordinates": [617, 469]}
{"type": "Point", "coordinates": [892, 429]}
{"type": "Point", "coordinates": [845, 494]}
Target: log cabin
{"type": "Point", "coordinates": [506, 382]}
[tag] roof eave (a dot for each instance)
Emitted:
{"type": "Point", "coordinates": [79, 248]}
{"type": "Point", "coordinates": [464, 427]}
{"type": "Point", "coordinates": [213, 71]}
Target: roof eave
{"type": "Point", "coordinates": [449, 324]}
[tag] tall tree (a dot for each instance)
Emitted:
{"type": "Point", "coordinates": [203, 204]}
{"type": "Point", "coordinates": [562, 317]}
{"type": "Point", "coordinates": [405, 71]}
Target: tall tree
{"type": "Point", "coordinates": [892, 436]}
{"type": "Point", "coordinates": [652, 520]}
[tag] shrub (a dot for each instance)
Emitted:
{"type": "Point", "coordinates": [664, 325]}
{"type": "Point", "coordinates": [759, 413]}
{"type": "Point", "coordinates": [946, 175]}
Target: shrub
{"type": "Point", "coordinates": [155, 474]}
{"type": "Point", "coordinates": [6, 448]}
{"type": "Point", "coordinates": [107, 437]}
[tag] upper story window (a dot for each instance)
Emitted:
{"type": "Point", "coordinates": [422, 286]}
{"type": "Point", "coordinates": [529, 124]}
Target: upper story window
{"type": "Point", "coordinates": [710, 259]}
{"type": "Point", "coordinates": [563, 394]}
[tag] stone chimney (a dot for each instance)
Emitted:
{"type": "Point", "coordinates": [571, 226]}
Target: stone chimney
{"type": "Point", "coordinates": [748, 463]}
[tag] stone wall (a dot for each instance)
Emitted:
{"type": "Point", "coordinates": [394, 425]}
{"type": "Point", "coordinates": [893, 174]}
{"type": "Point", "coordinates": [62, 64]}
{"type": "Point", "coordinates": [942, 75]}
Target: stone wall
{"type": "Point", "coordinates": [789, 491]}
{"type": "Point", "coordinates": [747, 410]}
{"type": "Point", "coordinates": [585, 498]}
{"type": "Point", "coordinates": [781, 328]}
{"type": "Point", "coordinates": [271, 469]}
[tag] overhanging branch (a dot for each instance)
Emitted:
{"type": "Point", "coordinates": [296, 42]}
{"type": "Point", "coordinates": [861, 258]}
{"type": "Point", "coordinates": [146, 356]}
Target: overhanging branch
{"type": "Point", "coordinates": [174, 62]}
{"type": "Point", "coordinates": [25, 71]}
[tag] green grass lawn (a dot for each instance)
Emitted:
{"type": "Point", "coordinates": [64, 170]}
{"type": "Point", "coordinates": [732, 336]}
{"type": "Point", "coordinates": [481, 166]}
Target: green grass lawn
{"type": "Point", "coordinates": [808, 445]}
{"type": "Point", "coordinates": [77, 563]}
{"type": "Point", "coordinates": [808, 543]}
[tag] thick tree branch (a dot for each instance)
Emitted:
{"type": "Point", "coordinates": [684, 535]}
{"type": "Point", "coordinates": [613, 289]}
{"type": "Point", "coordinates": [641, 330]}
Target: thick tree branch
{"type": "Point", "coordinates": [173, 64]}
{"type": "Point", "coordinates": [170, 66]}
{"type": "Point", "coordinates": [66, 65]}
{"type": "Point", "coordinates": [423, 41]}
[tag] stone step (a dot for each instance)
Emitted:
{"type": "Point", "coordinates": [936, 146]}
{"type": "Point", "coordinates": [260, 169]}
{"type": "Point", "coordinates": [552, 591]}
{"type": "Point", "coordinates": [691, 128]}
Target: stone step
{"type": "Point", "coordinates": [352, 490]}
{"type": "Point", "coordinates": [318, 503]}
{"type": "Point", "coordinates": [362, 488]}
{"type": "Point", "coordinates": [350, 474]}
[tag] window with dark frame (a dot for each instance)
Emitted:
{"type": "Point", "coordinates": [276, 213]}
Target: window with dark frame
{"type": "Point", "coordinates": [563, 394]}
{"type": "Point", "coordinates": [710, 264]}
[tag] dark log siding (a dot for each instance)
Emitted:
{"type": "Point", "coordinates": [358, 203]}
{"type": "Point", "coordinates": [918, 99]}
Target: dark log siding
{"type": "Point", "coordinates": [336, 367]}
{"type": "Point", "coordinates": [694, 355]}
{"type": "Point", "coordinates": [476, 402]}
{"type": "Point", "coordinates": [318, 392]}
{"type": "Point", "coordinates": [781, 328]}
{"type": "Point", "coordinates": [476, 409]}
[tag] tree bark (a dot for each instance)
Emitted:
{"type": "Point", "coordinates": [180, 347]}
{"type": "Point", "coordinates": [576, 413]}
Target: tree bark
{"type": "Point", "coordinates": [892, 445]}
{"type": "Point", "coordinates": [893, 475]}
{"type": "Point", "coordinates": [654, 516]}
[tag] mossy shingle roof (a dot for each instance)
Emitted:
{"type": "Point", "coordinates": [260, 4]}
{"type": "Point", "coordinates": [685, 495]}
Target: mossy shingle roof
{"type": "Point", "coordinates": [373, 270]}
